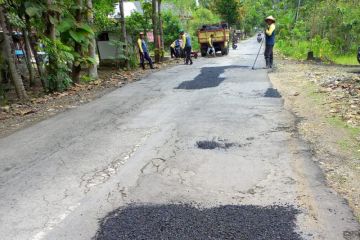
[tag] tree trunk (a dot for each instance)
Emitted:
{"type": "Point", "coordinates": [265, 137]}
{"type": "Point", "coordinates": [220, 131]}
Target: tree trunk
{"type": "Point", "coordinates": [155, 30]}
{"type": "Point", "coordinates": [161, 30]}
{"type": "Point", "coordinates": [15, 76]}
{"type": "Point", "coordinates": [297, 11]}
{"type": "Point", "coordinates": [39, 65]}
{"type": "Point", "coordinates": [123, 31]}
{"type": "Point", "coordinates": [52, 83]}
{"type": "Point", "coordinates": [76, 68]}
{"type": "Point", "coordinates": [50, 28]}
{"type": "Point", "coordinates": [28, 58]}
{"type": "Point", "coordinates": [93, 73]}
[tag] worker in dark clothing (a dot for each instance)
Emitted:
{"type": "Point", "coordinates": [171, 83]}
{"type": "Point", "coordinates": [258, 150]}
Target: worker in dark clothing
{"type": "Point", "coordinates": [186, 46]}
{"type": "Point", "coordinates": [269, 41]}
{"type": "Point", "coordinates": [143, 51]}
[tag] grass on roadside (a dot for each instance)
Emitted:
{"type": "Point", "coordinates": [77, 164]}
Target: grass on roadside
{"type": "Point", "coordinates": [312, 91]}
{"type": "Point", "coordinates": [321, 48]}
{"type": "Point", "coordinates": [346, 60]}
{"type": "Point", "coordinates": [350, 143]}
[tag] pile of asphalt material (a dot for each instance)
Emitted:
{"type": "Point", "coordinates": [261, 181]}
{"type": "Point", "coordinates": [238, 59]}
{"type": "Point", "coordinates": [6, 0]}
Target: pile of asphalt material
{"type": "Point", "coordinates": [272, 93]}
{"type": "Point", "coordinates": [213, 145]}
{"type": "Point", "coordinates": [187, 222]}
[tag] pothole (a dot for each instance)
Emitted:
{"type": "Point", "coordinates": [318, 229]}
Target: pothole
{"type": "Point", "coordinates": [272, 93]}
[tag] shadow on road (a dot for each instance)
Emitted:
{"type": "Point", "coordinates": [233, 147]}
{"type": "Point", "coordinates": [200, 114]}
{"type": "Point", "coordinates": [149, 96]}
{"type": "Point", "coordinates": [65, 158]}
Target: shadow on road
{"type": "Point", "coordinates": [182, 222]}
{"type": "Point", "coordinates": [208, 78]}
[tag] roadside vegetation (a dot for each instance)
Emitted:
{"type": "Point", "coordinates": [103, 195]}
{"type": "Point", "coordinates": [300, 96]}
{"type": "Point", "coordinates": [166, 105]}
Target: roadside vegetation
{"type": "Point", "coordinates": [330, 29]}
{"type": "Point", "coordinates": [58, 37]}
{"type": "Point", "coordinates": [326, 100]}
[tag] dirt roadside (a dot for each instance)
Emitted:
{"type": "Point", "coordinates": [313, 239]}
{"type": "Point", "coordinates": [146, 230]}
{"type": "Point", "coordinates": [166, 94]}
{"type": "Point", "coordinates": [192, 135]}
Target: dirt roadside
{"type": "Point", "coordinates": [326, 100]}
{"type": "Point", "coordinates": [16, 115]}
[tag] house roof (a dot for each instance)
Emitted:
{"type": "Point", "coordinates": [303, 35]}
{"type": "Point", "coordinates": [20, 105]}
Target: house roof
{"type": "Point", "coordinates": [129, 8]}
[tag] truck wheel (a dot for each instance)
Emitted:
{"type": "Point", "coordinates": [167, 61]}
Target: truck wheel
{"type": "Point", "coordinates": [203, 53]}
{"type": "Point", "coordinates": [225, 51]}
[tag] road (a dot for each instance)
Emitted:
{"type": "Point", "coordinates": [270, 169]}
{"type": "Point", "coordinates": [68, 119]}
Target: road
{"type": "Point", "coordinates": [140, 145]}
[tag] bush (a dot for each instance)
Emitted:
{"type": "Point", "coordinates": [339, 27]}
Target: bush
{"type": "Point", "coordinates": [171, 27]}
{"type": "Point", "coordinates": [61, 57]}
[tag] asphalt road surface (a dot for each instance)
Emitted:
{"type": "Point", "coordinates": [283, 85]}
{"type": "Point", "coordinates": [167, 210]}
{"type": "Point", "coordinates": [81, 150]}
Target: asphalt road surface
{"type": "Point", "coordinates": [192, 152]}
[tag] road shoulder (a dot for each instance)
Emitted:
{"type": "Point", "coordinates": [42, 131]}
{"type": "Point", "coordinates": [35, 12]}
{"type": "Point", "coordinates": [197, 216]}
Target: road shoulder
{"type": "Point", "coordinates": [325, 100]}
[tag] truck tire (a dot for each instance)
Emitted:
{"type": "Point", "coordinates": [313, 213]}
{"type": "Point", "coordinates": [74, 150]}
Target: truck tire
{"type": "Point", "coordinates": [225, 51]}
{"type": "Point", "coordinates": [203, 53]}
{"type": "Point", "coordinates": [203, 50]}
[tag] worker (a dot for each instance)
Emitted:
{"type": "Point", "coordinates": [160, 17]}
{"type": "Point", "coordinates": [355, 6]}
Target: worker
{"type": "Point", "coordinates": [175, 48]}
{"type": "Point", "coordinates": [211, 49]}
{"type": "Point", "coordinates": [269, 41]}
{"type": "Point", "coordinates": [143, 52]}
{"type": "Point", "coordinates": [186, 46]}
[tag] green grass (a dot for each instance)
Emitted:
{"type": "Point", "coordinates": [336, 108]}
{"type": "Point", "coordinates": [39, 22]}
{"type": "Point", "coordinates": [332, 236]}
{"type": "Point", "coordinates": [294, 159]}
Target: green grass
{"type": "Point", "coordinates": [312, 92]}
{"type": "Point", "coordinates": [349, 143]}
{"type": "Point", "coordinates": [346, 60]}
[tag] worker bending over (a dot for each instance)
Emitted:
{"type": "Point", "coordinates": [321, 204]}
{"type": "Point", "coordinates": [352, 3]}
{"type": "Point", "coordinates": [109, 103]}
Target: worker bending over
{"type": "Point", "coordinates": [175, 48]}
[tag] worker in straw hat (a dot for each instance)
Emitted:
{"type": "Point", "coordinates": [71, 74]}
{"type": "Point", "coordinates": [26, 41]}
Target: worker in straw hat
{"type": "Point", "coordinates": [269, 41]}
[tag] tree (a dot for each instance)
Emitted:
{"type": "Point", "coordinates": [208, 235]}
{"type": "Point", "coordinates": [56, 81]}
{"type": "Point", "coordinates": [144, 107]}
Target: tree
{"type": "Point", "coordinates": [76, 69]}
{"type": "Point", "coordinates": [50, 17]}
{"type": "Point", "coordinates": [92, 71]}
{"type": "Point", "coordinates": [229, 10]}
{"type": "Point", "coordinates": [161, 31]}
{"type": "Point", "coordinates": [156, 30]}
{"type": "Point", "coordinates": [17, 20]}
{"type": "Point", "coordinates": [15, 77]}
{"type": "Point", "coordinates": [123, 31]}
{"type": "Point", "coordinates": [39, 65]}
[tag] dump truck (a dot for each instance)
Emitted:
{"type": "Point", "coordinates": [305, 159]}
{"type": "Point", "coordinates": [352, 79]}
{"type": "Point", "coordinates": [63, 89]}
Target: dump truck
{"type": "Point", "coordinates": [221, 38]}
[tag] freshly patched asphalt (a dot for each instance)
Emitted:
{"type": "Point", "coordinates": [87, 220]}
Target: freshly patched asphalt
{"type": "Point", "coordinates": [206, 151]}
{"type": "Point", "coordinates": [208, 78]}
{"type": "Point", "coordinates": [186, 222]}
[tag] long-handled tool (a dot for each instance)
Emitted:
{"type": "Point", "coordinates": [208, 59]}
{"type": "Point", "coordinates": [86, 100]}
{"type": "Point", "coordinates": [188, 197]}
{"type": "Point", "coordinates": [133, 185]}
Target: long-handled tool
{"type": "Point", "coordinates": [262, 41]}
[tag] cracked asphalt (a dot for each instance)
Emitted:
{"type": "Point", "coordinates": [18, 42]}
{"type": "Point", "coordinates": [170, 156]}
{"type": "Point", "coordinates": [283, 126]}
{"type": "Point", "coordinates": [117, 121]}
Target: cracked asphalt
{"type": "Point", "coordinates": [61, 178]}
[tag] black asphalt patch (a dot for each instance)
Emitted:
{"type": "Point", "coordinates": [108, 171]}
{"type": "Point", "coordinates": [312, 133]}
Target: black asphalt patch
{"type": "Point", "coordinates": [272, 93]}
{"type": "Point", "coordinates": [208, 78]}
{"type": "Point", "coordinates": [214, 144]}
{"type": "Point", "coordinates": [186, 222]}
